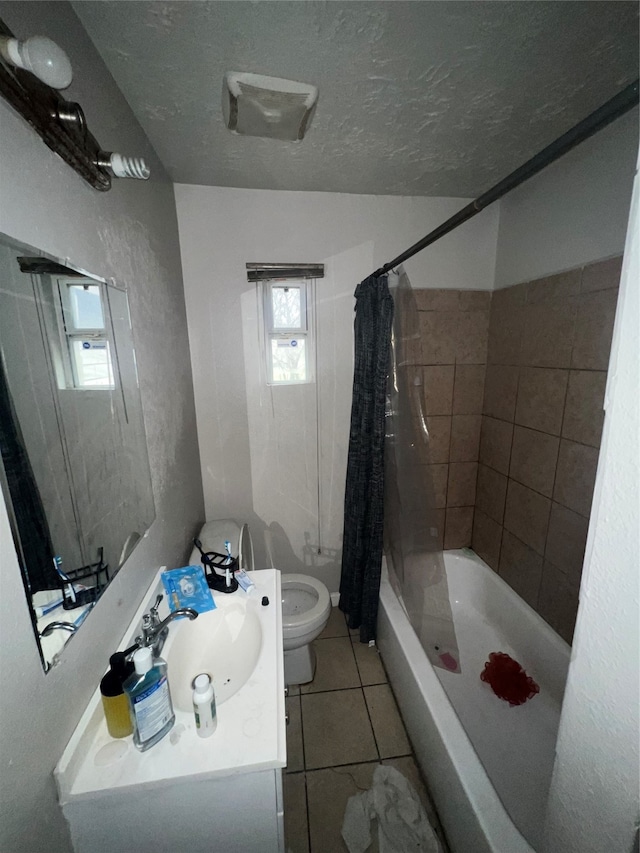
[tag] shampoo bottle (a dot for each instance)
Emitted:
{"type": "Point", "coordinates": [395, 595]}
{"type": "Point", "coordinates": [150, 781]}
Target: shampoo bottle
{"type": "Point", "coordinates": [114, 700]}
{"type": "Point", "coordinates": [204, 705]}
{"type": "Point", "coordinates": [150, 705]}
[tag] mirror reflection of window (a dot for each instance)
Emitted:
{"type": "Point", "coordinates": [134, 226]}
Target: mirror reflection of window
{"type": "Point", "coordinates": [86, 351]}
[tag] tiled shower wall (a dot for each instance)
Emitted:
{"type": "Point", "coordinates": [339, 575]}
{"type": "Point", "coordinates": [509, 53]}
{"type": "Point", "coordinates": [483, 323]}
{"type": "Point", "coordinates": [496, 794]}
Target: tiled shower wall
{"type": "Point", "coordinates": [454, 326]}
{"type": "Point", "coordinates": [548, 354]}
{"type": "Point", "coordinates": [514, 387]}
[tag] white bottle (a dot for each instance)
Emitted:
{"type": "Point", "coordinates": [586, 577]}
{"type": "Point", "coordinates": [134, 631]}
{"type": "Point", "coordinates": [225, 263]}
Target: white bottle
{"type": "Point", "coordinates": [204, 706]}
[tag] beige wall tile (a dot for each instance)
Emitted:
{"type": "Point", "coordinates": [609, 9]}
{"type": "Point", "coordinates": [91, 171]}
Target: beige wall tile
{"type": "Point", "coordinates": [495, 444]}
{"type": "Point", "coordinates": [439, 477]}
{"type": "Point", "coordinates": [458, 527]}
{"type": "Point", "coordinates": [439, 437]}
{"type": "Point", "coordinates": [602, 275]}
{"type": "Point", "coordinates": [486, 539]}
{"type": "Point", "coordinates": [500, 391]}
{"type": "Point", "coordinates": [388, 727]}
{"type": "Point", "coordinates": [526, 515]}
{"type": "Point", "coordinates": [436, 300]}
{"type": "Point", "coordinates": [594, 329]}
{"type": "Point", "coordinates": [336, 729]}
{"type": "Point", "coordinates": [521, 568]}
{"type": "Point", "coordinates": [553, 287]}
{"type": "Point", "coordinates": [584, 406]}
{"type": "Point", "coordinates": [438, 330]}
{"type": "Point", "coordinates": [547, 334]}
{"type": "Point", "coordinates": [491, 493]}
{"type": "Point", "coordinates": [472, 337]}
{"type": "Point", "coordinates": [575, 477]}
{"type": "Point", "coordinates": [295, 814]}
{"type": "Point", "coordinates": [461, 490]}
{"type": "Point", "coordinates": [566, 541]}
{"type": "Point", "coordinates": [558, 601]}
{"type": "Point", "coordinates": [465, 438]}
{"type": "Point", "coordinates": [505, 333]}
{"type": "Point", "coordinates": [533, 459]}
{"type": "Point", "coordinates": [438, 389]}
{"type": "Point", "coordinates": [541, 397]}
{"type": "Point", "coordinates": [507, 298]}
{"type": "Point", "coordinates": [468, 389]}
{"type": "Point", "coordinates": [474, 300]}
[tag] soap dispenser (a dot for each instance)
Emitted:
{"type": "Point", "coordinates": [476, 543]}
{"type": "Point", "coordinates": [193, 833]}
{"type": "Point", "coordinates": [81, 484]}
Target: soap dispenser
{"type": "Point", "coordinates": [149, 698]}
{"type": "Point", "coordinates": [114, 700]}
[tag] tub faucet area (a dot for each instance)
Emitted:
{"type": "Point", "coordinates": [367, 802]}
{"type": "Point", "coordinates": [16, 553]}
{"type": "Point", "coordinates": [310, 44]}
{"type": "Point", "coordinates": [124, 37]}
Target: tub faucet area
{"type": "Point", "coordinates": [155, 632]}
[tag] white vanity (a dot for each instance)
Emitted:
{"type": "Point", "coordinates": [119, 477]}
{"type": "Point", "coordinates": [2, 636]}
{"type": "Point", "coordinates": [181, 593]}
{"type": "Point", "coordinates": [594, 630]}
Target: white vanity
{"type": "Point", "coordinates": [223, 793]}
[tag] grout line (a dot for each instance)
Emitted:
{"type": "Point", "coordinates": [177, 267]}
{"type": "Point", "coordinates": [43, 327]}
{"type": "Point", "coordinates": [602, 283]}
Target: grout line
{"type": "Point", "coordinates": [373, 731]}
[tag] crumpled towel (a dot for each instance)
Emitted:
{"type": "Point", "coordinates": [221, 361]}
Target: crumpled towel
{"type": "Point", "coordinates": [403, 825]}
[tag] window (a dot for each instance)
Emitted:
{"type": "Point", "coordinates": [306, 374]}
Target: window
{"type": "Point", "coordinates": [288, 331]}
{"type": "Point", "coordinates": [86, 351]}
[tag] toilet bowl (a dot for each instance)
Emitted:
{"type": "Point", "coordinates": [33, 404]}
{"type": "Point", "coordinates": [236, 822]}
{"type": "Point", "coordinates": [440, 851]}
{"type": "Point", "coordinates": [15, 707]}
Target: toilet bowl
{"type": "Point", "coordinates": [306, 607]}
{"type": "Point", "coordinates": [306, 603]}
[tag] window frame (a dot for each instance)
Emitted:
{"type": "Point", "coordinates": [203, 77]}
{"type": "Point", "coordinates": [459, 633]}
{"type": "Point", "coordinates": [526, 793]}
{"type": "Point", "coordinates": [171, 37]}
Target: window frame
{"type": "Point", "coordinates": [293, 334]}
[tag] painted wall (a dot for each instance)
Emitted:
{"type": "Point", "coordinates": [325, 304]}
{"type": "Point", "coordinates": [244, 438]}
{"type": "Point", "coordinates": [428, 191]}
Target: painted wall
{"type": "Point", "coordinates": [261, 447]}
{"type": "Point", "coordinates": [594, 790]}
{"type": "Point", "coordinates": [573, 212]}
{"type": "Point", "coordinates": [129, 234]}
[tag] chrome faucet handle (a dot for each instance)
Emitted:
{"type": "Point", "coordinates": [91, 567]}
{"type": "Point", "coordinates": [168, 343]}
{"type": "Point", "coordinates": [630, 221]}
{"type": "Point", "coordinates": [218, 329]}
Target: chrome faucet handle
{"type": "Point", "coordinates": [154, 610]}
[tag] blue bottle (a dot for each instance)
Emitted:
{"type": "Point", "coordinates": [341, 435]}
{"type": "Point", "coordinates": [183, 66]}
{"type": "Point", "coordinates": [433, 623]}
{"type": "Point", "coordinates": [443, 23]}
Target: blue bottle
{"type": "Point", "coordinates": [149, 699]}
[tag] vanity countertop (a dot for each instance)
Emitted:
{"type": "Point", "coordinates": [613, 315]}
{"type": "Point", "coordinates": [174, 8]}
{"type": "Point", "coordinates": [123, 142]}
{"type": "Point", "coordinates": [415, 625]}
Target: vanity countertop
{"type": "Point", "coordinates": [250, 735]}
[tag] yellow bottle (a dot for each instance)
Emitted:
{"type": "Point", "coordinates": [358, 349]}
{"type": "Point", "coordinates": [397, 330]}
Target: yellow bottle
{"type": "Point", "coordinates": [114, 700]}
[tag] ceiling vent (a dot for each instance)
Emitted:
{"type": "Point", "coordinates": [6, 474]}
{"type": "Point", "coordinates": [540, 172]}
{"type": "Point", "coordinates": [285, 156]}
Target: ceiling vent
{"type": "Point", "coordinates": [255, 105]}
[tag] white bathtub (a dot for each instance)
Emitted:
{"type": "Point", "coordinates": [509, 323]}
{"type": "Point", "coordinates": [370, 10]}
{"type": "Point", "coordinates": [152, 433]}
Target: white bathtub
{"type": "Point", "coordinates": [488, 765]}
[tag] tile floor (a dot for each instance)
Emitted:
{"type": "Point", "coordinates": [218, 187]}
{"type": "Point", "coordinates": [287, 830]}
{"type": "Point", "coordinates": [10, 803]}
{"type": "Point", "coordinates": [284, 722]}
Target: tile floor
{"type": "Point", "coordinates": [341, 726]}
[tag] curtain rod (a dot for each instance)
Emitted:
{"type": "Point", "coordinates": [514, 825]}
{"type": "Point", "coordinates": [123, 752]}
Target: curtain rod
{"type": "Point", "coordinates": [604, 115]}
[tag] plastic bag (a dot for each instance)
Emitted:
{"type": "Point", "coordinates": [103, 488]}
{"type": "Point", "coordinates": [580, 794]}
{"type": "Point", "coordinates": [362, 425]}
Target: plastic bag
{"type": "Point", "coordinates": [403, 825]}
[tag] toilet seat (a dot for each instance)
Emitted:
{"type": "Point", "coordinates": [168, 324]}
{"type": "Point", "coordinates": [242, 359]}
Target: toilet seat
{"type": "Point", "coordinates": [301, 622]}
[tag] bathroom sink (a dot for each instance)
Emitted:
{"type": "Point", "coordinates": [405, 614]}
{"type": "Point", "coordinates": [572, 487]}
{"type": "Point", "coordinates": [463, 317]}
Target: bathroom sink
{"type": "Point", "coordinates": [225, 642]}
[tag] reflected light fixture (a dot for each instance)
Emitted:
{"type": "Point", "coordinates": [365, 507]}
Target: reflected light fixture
{"type": "Point", "coordinates": [41, 56]}
{"type": "Point", "coordinates": [255, 105]}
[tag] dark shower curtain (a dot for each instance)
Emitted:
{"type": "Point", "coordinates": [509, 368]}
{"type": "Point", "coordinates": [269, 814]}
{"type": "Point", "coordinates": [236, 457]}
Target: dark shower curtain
{"type": "Point", "coordinates": [27, 505]}
{"type": "Point", "coordinates": [364, 493]}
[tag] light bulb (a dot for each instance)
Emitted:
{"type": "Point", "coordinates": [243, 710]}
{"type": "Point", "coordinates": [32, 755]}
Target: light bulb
{"type": "Point", "coordinates": [42, 57]}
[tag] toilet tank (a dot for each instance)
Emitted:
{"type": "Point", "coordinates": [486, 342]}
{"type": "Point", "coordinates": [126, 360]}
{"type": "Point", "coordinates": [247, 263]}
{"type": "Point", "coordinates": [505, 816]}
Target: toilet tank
{"type": "Point", "coordinates": [214, 534]}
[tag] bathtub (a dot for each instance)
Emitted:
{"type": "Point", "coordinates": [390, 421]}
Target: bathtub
{"type": "Point", "coordinates": [488, 765]}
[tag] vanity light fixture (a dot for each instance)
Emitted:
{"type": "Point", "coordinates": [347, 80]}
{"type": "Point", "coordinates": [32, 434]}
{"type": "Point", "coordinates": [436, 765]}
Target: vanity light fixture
{"type": "Point", "coordinates": [41, 56]}
{"type": "Point", "coordinates": [31, 74]}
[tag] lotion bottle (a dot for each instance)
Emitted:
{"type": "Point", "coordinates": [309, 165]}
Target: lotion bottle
{"type": "Point", "coordinates": [150, 705]}
{"type": "Point", "coordinates": [204, 705]}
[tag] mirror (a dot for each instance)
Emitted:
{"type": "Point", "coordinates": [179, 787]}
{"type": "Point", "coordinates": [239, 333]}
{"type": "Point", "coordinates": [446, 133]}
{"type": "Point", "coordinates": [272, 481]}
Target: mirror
{"type": "Point", "coordinates": [75, 470]}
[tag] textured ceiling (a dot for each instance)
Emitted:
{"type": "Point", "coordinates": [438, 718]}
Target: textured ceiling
{"type": "Point", "coordinates": [416, 98]}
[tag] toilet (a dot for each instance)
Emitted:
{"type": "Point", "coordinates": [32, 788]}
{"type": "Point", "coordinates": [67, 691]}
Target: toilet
{"type": "Point", "coordinates": [306, 603]}
{"type": "Point", "coordinates": [306, 607]}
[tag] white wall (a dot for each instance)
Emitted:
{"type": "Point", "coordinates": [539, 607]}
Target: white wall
{"type": "Point", "coordinates": [258, 445]}
{"type": "Point", "coordinates": [572, 213]}
{"type": "Point", "coordinates": [593, 803]}
{"type": "Point", "coordinates": [129, 233]}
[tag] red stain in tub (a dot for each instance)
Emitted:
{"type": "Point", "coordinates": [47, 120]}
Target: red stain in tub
{"type": "Point", "coordinates": [508, 680]}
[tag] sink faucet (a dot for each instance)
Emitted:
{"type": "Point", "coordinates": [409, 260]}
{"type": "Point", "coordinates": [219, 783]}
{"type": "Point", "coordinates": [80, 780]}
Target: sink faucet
{"type": "Point", "coordinates": [63, 626]}
{"type": "Point", "coordinates": [154, 631]}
